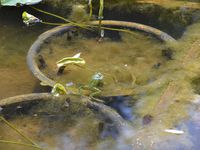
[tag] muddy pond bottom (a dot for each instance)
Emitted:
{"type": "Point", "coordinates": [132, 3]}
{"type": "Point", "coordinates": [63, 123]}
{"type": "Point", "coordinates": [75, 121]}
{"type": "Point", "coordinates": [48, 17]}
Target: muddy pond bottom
{"type": "Point", "coordinates": [125, 60]}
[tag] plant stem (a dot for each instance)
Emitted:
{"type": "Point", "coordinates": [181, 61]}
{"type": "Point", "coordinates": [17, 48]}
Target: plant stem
{"type": "Point", "coordinates": [92, 26]}
{"type": "Point", "coordinates": [56, 24]}
{"type": "Point", "coordinates": [18, 131]}
{"type": "Point", "coordinates": [85, 26]}
{"type": "Point", "coordinates": [116, 29]}
{"type": "Point", "coordinates": [18, 143]}
{"type": "Point", "coordinates": [90, 5]}
{"type": "Point", "coordinates": [101, 6]}
{"type": "Point", "coordinates": [60, 17]}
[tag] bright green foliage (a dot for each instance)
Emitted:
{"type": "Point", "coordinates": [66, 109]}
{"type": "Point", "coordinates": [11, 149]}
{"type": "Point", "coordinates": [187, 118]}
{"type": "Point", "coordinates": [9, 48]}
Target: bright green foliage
{"type": "Point", "coordinates": [58, 90]}
{"type": "Point", "coordinates": [18, 2]}
{"type": "Point", "coordinates": [71, 60]}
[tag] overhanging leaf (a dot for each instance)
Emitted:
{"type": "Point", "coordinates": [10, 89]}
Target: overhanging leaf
{"type": "Point", "coordinates": [18, 2]}
{"type": "Point", "coordinates": [70, 60]}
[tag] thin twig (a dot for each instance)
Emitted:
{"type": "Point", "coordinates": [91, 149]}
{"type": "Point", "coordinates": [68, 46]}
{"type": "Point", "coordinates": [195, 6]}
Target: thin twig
{"type": "Point", "coordinates": [18, 131]}
{"type": "Point", "coordinates": [18, 143]}
{"type": "Point", "coordinates": [60, 17]}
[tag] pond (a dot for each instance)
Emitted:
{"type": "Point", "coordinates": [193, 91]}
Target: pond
{"type": "Point", "coordinates": [153, 85]}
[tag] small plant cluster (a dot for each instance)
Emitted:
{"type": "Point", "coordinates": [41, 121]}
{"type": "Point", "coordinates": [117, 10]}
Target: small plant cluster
{"type": "Point", "coordinates": [93, 86]}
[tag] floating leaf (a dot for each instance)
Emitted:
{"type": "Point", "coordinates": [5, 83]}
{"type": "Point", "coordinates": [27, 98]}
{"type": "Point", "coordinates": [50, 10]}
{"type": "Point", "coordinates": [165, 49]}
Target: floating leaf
{"type": "Point", "coordinates": [70, 60]}
{"type": "Point", "coordinates": [29, 19]}
{"type": "Point", "coordinates": [58, 90]}
{"type": "Point", "coordinates": [18, 2]}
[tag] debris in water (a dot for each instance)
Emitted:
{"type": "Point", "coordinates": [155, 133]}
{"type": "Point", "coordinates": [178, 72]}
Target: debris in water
{"type": "Point", "coordinates": [19, 107]}
{"type": "Point", "coordinates": [1, 108]}
{"type": "Point", "coordinates": [69, 84]}
{"type": "Point", "coordinates": [147, 119]}
{"type": "Point", "coordinates": [174, 131]}
{"type": "Point", "coordinates": [42, 62]}
{"type": "Point", "coordinates": [66, 103]}
{"type": "Point", "coordinates": [167, 53]}
{"type": "Point", "coordinates": [60, 70]}
{"type": "Point", "coordinates": [35, 115]}
{"type": "Point", "coordinates": [29, 19]}
{"type": "Point", "coordinates": [157, 66]}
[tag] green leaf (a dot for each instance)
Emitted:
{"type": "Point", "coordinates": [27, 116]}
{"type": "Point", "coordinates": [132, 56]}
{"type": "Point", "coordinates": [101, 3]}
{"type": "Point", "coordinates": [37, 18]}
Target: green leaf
{"type": "Point", "coordinates": [71, 60]}
{"type": "Point", "coordinates": [18, 2]}
{"type": "Point", "coordinates": [58, 90]}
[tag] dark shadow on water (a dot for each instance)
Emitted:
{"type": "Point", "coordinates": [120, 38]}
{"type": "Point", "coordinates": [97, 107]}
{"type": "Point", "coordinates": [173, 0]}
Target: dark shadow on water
{"type": "Point", "coordinates": [122, 105]}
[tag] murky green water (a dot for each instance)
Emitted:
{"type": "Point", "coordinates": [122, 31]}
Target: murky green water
{"type": "Point", "coordinates": [163, 85]}
{"type": "Point", "coordinates": [15, 40]}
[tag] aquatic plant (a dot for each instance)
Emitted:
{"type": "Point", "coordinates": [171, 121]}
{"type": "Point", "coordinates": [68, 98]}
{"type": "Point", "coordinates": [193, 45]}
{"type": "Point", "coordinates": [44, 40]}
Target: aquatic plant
{"type": "Point", "coordinates": [74, 60]}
